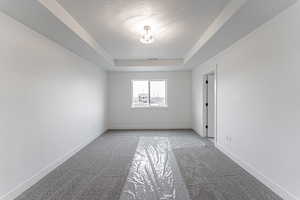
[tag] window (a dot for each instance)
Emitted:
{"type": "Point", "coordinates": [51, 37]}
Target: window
{"type": "Point", "coordinates": [149, 93]}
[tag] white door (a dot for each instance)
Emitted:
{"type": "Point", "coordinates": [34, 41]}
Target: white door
{"type": "Point", "coordinates": [211, 106]}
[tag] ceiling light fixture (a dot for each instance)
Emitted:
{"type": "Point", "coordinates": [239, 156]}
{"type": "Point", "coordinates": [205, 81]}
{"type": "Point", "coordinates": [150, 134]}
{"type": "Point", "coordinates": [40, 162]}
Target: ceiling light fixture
{"type": "Point", "coordinates": [147, 36]}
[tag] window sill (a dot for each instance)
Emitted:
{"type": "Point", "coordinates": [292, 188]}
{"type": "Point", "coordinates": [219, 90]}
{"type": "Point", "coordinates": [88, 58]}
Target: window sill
{"type": "Point", "coordinates": [149, 107]}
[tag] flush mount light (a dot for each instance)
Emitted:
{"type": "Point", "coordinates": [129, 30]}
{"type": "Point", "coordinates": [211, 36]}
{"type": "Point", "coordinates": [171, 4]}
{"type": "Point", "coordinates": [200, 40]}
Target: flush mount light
{"type": "Point", "coordinates": [147, 36]}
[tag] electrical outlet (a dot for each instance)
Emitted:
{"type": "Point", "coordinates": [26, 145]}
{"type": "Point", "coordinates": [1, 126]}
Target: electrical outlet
{"type": "Point", "coordinates": [228, 139]}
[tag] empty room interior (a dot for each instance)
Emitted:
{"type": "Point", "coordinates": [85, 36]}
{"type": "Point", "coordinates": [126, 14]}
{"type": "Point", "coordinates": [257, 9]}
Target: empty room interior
{"type": "Point", "coordinates": [149, 100]}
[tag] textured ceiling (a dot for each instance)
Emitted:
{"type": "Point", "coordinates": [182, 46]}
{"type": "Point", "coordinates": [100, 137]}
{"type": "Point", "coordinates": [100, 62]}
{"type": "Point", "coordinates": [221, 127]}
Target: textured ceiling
{"type": "Point", "coordinates": [107, 32]}
{"type": "Point", "coordinates": [117, 24]}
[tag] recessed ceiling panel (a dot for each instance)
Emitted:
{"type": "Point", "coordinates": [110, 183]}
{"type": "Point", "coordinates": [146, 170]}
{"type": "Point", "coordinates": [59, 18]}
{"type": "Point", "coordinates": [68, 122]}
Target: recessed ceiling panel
{"type": "Point", "coordinates": [117, 24]}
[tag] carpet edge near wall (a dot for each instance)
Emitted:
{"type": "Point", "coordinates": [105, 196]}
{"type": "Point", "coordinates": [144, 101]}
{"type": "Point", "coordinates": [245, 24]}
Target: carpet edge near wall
{"type": "Point", "coordinates": [276, 188]}
{"type": "Point", "coordinates": [29, 182]}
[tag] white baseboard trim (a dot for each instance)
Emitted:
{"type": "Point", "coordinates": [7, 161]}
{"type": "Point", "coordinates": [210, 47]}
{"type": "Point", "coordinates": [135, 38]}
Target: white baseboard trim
{"type": "Point", "coordinates": [19, 189]}
{"type": "Point", "coordinates": [279, 190]}
{"type": "Point", "coordinates": [170, 125]}
{"type": "Point", "coordinates": [198, 132]}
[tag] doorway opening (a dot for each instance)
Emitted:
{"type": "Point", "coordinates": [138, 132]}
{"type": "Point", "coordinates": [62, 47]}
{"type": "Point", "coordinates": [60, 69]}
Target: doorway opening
{"type": "Point", "coordinates": [209, 106]}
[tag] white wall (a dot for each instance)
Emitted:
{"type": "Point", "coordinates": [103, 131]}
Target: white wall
{"type": "Point", "coordinates": [177, 115]}
{"type": "Point", "coordinates": [51, 103]}
{"type": "Point", "coordinates": [258, 112]}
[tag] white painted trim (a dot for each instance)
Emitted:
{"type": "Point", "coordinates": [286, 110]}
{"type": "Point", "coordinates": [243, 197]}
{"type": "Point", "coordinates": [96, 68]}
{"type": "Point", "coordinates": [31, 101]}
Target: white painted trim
{"type": "Point", "coordinates": [279, 190]}
{"type": "Point", "coordinates": [198, 132]}
{"type": "Point", "coordinates": [158, 126]}
{"type": "Point", "coordinates": [204, 110]}
{"type": "Point", "coordinates": [149, 105]}
{"type": "Point", "coordinates": [58, 11]}
{"type": "Point", "coordinates": [19, 189]}
{"type": "Point", "coordinates": [213, 70]}
{"type": "Point", "coordinates": [148, 62]}
{"type": "Point", "coordinates": [227, 13]}
{"type": "Point", "coordinates": [216, 104]}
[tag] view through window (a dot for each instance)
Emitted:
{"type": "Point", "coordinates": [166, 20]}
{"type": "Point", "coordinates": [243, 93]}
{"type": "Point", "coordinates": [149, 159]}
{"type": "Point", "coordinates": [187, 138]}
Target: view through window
{"type": "Point", "coordinates": [148, 93]}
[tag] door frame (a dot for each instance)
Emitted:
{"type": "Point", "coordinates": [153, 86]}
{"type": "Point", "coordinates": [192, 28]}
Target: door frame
{"type": "Point", "coordinates": [214, 71]}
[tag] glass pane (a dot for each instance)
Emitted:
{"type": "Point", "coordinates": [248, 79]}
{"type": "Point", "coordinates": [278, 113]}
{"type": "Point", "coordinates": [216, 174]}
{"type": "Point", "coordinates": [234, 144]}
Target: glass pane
{"type": "Point", "coordinates": [158, 93]}
{"type": "Point", "coordinates": [140, 92]}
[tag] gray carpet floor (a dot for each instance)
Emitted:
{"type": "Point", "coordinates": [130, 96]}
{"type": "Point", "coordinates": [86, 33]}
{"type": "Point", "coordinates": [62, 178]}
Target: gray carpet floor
{"type": "Point", "coordinates": [146, 165]}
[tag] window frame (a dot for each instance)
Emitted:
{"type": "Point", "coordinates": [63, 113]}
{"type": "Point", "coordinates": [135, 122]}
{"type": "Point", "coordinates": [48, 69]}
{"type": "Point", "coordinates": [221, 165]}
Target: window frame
{"type": "Point", "coordinates": [149, 96]}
